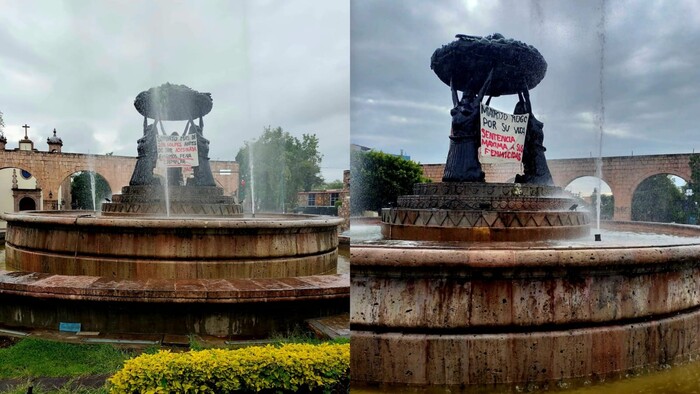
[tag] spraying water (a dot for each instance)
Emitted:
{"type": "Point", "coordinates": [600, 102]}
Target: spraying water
{"type": "Point", "coordinates": [164, 169]}
{"type": "Point", "coordinates": [601, 112]}
{"type": "Point", "coordinates": [252, 179]}
{"type": "Point", "coordinates": [92, 189]}
{"type": "Point", "coordinates": [166, 187]}
{"type": "Point", "coordinates": [91, 174]}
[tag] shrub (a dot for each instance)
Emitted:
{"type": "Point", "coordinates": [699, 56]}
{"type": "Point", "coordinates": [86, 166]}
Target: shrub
{"type": "Point", "coordinates": [285, 368]}
{"type": "Point", "coordinates": [378, 179]}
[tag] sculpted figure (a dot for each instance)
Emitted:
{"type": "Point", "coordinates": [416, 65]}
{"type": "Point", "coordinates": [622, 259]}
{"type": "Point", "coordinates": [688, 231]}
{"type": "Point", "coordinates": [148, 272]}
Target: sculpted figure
{"type": "Point", "coordinates": [462, 163]}
{"type": "Point", "coordinates": [202, 173]}
{"type": "Point", "coordinates": [535, 168]}
{"type": "Point", "coordinates": [147, 157]}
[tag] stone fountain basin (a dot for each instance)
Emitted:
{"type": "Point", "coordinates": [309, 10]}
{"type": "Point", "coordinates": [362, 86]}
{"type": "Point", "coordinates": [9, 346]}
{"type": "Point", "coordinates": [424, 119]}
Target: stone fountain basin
{"type": "Point", "coordinates": [226, 277]}
{"type": "Point", "coordinates": [507, 313]}
{"type": "Point", "coordinates": [133, 247]}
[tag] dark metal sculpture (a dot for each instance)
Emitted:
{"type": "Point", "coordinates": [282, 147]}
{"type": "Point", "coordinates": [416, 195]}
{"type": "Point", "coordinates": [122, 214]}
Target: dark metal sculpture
{"type": "Point", "coordinates": [171, 103]}
{"type": "Point", "coordinates": [493, 66]}
{"type": "Point", "coordinates": [202, 173]}
{"type": "Point", "coordinates": [465, 63]}
{"type": "Point", "coordinates": [465, 138]}
{"type": "Point", "coordinates": [535, 166]}
{"type": "Point", "coordinates": [147, 157]}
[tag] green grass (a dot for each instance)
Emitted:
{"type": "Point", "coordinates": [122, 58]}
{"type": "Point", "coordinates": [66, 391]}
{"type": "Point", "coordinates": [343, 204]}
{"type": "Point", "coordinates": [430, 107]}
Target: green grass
{"type": "Point", "coordinates": [32, 357]}
{"type": "Point", "coordinates": [67, 389]}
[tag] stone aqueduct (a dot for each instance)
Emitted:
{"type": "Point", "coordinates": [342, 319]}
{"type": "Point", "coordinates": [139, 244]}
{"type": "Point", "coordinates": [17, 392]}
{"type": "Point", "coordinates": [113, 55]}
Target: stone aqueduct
{"type": "Point", "coordinates": [51, 168]}
{"type": "Point", "coordinates": [622, 173]}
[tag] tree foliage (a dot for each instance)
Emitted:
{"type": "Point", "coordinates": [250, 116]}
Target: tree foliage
{"type": "Point", "coordinates": [658, 199]}
{"type": "Point", "coordinates": [694, 185]}
{"type": "Point", "coordinates": [377, 179]}
{"type": "Point", "coordinates": [81, 190]}
{"type": "Point", "coordinates": [283, 165]}
{"type": "Point", "coordinates": [607, 205]}
{"type": "Point", "coordinates": [2, 122]}
{"type": "Point", "coordinates": [336, 184]}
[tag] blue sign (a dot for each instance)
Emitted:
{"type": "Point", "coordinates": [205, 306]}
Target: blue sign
{"type": "Point", "coordinates": [68, 327]}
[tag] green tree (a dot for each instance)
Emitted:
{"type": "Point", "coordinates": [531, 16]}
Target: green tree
{"type": "Point", "coordinates": [694, 183]}
{"type": "Point", "coordinates": [607, 205]}
{"type": "Point", "coordinates": [283, 164]}
{"type": "Point", "coordinates": [658, 199]}
{"type": "Point", "coordinates": [693, 201]}
{"type": "Point", "coordinates": [336, 184]}
{"type": "Point", "coordinates": [2, 122]}
{"type": "Point", "coordinates": [81, 190]}
{"type": "Point", "coordinates": [377, 179]}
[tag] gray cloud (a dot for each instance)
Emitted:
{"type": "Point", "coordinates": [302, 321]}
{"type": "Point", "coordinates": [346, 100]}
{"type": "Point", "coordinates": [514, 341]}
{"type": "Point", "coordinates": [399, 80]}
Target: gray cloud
{"type": "Point", "coordinates": [77, 66]}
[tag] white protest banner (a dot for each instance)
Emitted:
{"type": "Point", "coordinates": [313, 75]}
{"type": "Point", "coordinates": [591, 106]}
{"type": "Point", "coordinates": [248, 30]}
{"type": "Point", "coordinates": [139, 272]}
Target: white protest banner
{"type": "Point", "coordinates": [178, 151]}
{"type": "Point", "coordinates": [502, 136]}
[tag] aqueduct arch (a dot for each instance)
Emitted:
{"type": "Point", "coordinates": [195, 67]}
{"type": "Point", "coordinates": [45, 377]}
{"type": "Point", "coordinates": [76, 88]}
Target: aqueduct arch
{"type": "Point", "coordinates": [622, 173]}
{"type": "Point", "coordinates": [50, 169]}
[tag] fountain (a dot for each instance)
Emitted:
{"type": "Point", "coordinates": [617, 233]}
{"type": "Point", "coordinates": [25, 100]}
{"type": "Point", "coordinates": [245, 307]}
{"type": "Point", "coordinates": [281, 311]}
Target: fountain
{"type": "Point", "coordinates": [476, 283]}
{"type": "Point", "coordinates": [170, 255]}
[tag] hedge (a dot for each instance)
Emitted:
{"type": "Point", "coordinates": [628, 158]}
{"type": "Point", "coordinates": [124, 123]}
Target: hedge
{"type": "Point", "coordinates": [286, 368]}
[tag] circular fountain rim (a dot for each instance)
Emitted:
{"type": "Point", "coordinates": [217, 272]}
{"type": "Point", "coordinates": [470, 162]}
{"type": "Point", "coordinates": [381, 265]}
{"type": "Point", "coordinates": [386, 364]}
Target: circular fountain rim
{"type": "Point", "coordinates": [431, 254]}
{"type": "Point", "coordinates": [264, 220]}
{"type": "Point", "coordinates": [219, 291]}
{"type": "Point", "coordinates": [388, 256]}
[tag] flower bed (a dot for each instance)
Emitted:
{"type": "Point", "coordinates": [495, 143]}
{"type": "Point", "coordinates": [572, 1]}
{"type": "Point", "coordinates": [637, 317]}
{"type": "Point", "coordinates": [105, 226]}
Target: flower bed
{"type": "Point", "coordinates": [286, 368]}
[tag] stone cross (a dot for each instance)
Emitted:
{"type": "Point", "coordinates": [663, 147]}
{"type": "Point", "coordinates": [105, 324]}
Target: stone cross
{"type": "Point", "coordinates": [25, 127]}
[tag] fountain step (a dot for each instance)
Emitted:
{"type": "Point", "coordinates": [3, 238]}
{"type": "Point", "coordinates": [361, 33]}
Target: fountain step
{"type": "Point", "coordinates": [331, 327]}
{"type": "Point", "coordinates": [477, 211]}
{"type": "Point", "coordinates": [179, 200]}
{"type": "Point", "coordinates": [473, 225]}
{"type": "Point", "coordinates": [477, 189]}
{"type": "Point", "coordinates": [447, 218]}
{"type": "Point", "coordinates": [492, 203]}
{"type": "Point", "coordinates": [226, 291]}
{"type": "Point", "coordinates": [251, 308]}
{"type": "Point", "coordinates": [148, 191]}
{"type": "Point", "coordinates": [177, 208]}
{"type": "Point", "coordinates": [210, 199]}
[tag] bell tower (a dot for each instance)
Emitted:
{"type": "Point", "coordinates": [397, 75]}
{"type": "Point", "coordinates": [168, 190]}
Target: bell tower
{"type": "Point", "coordinates": [55, 143]}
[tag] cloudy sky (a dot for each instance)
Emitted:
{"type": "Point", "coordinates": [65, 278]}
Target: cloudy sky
{"type": "Point", "coordinates": [651, 73]}
{"type": "Point", "coordinates": [78, 65]}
